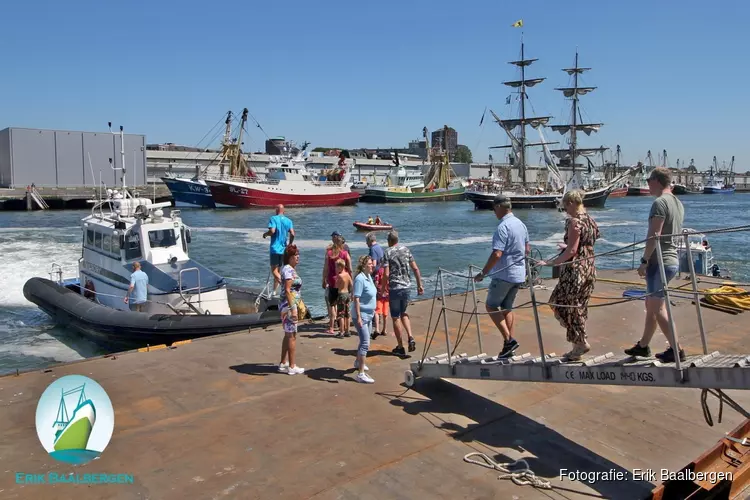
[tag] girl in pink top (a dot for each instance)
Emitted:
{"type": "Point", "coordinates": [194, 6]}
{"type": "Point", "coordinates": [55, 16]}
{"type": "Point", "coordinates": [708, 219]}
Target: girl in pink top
{"type": "Point", "coordinates": [333, 253]}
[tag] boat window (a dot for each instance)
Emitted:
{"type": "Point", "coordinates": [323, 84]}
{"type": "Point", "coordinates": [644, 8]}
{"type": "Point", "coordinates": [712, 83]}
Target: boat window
{"type": "Point", "coordinates": [97, 239]}
{"type": "Point", "coordinates": [116, 245]}
{"type": "Point", "coordinates": [106, 242]}
{"type": "Point", "coordinates": [133, 246]}
{"type": "Point", "coordinates": [162, 238]}
{"type": "Point", "coordinates": [90, 237]}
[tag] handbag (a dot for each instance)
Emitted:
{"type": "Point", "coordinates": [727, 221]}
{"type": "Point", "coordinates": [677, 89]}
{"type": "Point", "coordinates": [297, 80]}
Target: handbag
{"type": "Point", "coordinates": [302, 310]}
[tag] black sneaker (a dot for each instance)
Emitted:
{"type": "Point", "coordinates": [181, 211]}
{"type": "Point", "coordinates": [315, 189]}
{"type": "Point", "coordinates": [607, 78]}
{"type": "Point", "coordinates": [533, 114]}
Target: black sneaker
{"type": "Point", "coordinates": [347, 334]}
{"type": "Point", "coordinates": [374, 335]}
{"type": "Point", "coordinates": [668, 356]}
{"type": "Point", "coordinates": [509, 347]}
{"type": "Point", "coordinates": [399, 351]}
{"type": "Point", "coordinates": [412, 344]}
{"type": "Point", "coordinates": [638, 350]}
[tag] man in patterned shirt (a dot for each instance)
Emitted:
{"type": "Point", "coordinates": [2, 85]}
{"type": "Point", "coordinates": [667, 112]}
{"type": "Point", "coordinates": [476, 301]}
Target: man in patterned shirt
{"type": "Point", "coordinates": [396, 263]}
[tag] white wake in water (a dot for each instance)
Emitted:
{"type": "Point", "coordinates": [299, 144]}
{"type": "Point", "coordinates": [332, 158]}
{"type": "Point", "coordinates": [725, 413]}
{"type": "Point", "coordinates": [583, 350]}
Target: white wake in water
{"type": "Point", "coordinates": [28, 253]}
{"type": "Point", "coordinates": [255, 236]}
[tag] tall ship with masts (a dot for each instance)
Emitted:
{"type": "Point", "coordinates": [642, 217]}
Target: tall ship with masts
{"type": "Point", "coordinates": [195, 191]}
{"type": "Point", "coordinates": [523, 195]}
{"type": "Point", "coordinates": [439, 184]}
{"type": "Point", "coordinates": [594, 185]}
{"type": "Point", "coordinates": [596, 189]}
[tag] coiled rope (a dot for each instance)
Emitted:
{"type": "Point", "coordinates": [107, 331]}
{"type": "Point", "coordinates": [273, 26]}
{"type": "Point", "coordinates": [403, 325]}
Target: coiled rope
{"type": "Point", "coordinates": [521, 477]}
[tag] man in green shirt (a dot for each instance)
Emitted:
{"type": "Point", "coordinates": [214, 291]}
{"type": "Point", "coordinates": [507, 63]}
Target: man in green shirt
{"type": "Point", "coordinates": [665, 217]}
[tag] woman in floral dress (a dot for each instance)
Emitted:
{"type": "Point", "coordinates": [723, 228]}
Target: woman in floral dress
{"type": "Point", "coordinates": [576, 283]}
{"type": "Point", "coordinates": [290, 311]}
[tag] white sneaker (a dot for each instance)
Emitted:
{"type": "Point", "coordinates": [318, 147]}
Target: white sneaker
{"type": "Point", "coordinates": [356, 366]}
{"type": "Point", "coordinates": [295, 371]}
{"type": "Point", "coordinates": [283, 367]}
{"type": "Point", "coordinates": [364, 378]}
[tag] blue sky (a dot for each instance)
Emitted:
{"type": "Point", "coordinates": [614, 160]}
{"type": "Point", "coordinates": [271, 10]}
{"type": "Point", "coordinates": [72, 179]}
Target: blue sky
{"type": "Point", "coordinates": [353, 74]}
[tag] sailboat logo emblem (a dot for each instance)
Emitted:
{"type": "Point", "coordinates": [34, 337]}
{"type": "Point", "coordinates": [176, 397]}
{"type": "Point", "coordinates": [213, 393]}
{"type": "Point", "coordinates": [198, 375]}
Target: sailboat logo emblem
{"type": "Point", "coordinates": [74, 419]}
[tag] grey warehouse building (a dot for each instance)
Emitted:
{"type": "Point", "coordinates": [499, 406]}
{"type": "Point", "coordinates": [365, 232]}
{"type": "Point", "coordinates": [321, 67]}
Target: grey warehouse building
{"type": "Point", "coordinates": [60, 158]}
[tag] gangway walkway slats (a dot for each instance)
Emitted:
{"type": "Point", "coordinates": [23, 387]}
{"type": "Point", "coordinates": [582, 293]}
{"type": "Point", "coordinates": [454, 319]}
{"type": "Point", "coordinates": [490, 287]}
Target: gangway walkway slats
{"type": "Point", "coordinates": [712, 371]}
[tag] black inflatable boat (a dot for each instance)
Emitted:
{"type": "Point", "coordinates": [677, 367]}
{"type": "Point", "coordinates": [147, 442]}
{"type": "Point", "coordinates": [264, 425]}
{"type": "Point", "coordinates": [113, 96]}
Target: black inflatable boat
{"type": "Point", "coordinates": [113, 327]}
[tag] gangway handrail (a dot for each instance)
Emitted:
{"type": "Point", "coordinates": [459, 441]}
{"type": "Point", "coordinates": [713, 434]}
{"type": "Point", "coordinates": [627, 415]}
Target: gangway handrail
{"type": "Point", "coordinates": [711, 370]}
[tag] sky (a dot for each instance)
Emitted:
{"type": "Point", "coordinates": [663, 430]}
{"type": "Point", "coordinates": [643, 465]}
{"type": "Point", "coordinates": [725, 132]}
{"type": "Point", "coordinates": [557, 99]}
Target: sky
{"type": "Point", "coordinates": [669, 75]}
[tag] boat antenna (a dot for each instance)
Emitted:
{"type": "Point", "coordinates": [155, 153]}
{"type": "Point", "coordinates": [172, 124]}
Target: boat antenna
{"type": "Point", "coordinates": [122, 157]}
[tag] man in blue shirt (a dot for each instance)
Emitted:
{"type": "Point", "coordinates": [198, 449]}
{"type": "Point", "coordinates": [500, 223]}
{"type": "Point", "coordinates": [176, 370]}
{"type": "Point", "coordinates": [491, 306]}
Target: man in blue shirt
{"type": "Point", "coordinates": [280, 229]}
{"type": "Point", "coordinates": [507, 266]}
{"type": "Point", "coordinates": [139, 289]}
{"type": "Point", "coordinates": [376, 252]}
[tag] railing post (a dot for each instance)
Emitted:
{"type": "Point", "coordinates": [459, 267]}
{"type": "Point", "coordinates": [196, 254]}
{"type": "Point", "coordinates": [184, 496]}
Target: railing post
{"type": "Point", "coordinates": [672, 334]}
{"type": "Point", "coordinates": [476, 316]}
{"type": "Point", "coordinates": [696, 295]}
{"type": "Point", "coordinates": [445, 318]}
{"type": "Point", "coordinates": [536, 319]}
{"type": "Point", "coordinates": [632, 265]}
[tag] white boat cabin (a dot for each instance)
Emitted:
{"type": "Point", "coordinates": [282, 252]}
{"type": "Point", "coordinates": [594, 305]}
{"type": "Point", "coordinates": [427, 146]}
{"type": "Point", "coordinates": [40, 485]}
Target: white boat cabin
{"type": "Point", "coordinates": [135, 230]}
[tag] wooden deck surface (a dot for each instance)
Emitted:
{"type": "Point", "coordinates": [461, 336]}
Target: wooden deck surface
{"type": "Point", "coordinates": [213, 418]}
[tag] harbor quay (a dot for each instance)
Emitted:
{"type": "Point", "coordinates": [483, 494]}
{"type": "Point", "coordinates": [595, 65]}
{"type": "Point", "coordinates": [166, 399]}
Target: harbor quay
{"type": "Point", "coordinates": [213, 418]}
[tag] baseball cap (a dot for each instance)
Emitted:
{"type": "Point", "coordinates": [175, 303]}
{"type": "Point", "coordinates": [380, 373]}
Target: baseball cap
{"type": "Point", "coordinates": [501, 198]}
{"type": "Point", "coordinates": [335, 233]}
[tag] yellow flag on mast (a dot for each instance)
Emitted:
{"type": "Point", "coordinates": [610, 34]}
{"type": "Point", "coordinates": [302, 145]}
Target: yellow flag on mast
{"type": "Point", "coordinates": [518, 24]}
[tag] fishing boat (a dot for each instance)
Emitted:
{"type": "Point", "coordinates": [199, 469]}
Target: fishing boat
{"type": "Point", "coordinates": [194, 191]}
{"type": "Point", "coordinates": [185, 298]}
{"type": "Point", "coordinates": [401, 186]}
{"type": "Point", "coordinates": [611, 172]}
{"type": "Point", "coordinates": [290, 183]}
{"type": "Point", "coordinates": [638, 185]}
{"type": "Point", "coordinates": [714, 184]}
{"type": "Point", "coordinates": [683, 188]}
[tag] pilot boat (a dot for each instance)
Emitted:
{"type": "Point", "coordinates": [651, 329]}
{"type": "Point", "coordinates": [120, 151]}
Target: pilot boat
{"type": "Point", "coordinates": [185, 298]}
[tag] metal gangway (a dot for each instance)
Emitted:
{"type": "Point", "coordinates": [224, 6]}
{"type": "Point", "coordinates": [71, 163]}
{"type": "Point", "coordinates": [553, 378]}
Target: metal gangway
{"type": "Point", "coordinates": [33, 195]}
{"type": "Point", "coordinates": [710, 371]}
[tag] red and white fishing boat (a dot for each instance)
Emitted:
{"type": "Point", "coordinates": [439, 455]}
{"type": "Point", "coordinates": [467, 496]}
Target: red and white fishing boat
{"type": "Point", "coordinates": [288, 182]}
{"type": "Point", "coordinates": [619, 192]}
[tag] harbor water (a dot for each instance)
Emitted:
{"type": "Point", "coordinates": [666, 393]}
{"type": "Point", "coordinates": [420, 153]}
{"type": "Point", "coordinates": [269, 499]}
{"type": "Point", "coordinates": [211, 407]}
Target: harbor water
{"type": "Point", "coordinates": [441, 235]}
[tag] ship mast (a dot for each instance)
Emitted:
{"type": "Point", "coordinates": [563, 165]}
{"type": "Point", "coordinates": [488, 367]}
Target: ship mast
{"type": "Point", "coordinates": [518, 143]}
{"type": "Point", "coordinates": [573, 151]}
{"type": "Point", "coordinates": [237, 163]}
